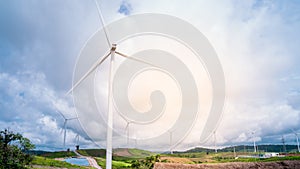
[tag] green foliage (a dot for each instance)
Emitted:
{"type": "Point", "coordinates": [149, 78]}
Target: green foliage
{"type": "Point", "coordinates": [13, 148]}
{"type": "Point", "coordinates": [147, 163]}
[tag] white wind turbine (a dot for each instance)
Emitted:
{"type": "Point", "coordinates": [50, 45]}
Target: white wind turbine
{"type": "Point", "coordinates": [112, 54]}
{"type": "Point", "coordinates": [127, 128]}
{"type": "Point", "coordinates": [171, 135]}
{"type": "Point", "coordinates": [253, 137]}
{"type": "Point", "coordinates": [297, 139]}
{"type": "Point", "coordinates": [77, 139]}
{"type": "Point", "coordinates": [65, 126]}
{"type": "Point", "coordinates": [128, 133]}
{"type": "Point", "coordinates": [215, 141]}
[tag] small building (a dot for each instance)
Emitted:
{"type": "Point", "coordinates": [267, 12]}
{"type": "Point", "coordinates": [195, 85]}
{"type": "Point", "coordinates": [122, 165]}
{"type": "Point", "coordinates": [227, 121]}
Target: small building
{"type": "Point", "coordinates": [271, 154]}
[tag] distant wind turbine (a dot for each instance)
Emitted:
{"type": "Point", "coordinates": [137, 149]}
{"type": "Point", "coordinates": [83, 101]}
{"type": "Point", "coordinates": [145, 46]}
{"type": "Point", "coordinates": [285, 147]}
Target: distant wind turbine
{"type": "Point", "coordinates": [297, 139]}
{"type": "Point", "coordinates": [253, 137]}
{"type": "Point", "coordinates": [65, 126]}
{"type": "Point", "coordinates": [171, 135]}
{"type": "Point", "coordinates": [127, 132]}
{"type": "Point", "coordinates": [135, 142]}
{"type": "Point", "coordinates": [215, 141]}
{"type": "Point", "coordinates": [283, 144]}
{"type": "Point", "coordinates": [77, 139]}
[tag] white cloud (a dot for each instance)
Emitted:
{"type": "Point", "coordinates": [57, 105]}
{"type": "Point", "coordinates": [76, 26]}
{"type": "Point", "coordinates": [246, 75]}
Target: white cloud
{"type": "Point", "coordinates": [257, 42]}
{"type": "Point", "coordinates": [29, 106]}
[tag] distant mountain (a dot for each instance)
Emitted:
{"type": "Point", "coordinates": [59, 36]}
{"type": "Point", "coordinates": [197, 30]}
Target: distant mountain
{"type": "Point", "coordinates": [246, 148]}
{"type": "Point", "coordinates": [37, 152]}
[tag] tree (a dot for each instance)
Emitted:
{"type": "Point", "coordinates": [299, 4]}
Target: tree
{"type": "Point", "coordinates": [148, 163]}
{"type": "Point", "coordinates": [14, 150]}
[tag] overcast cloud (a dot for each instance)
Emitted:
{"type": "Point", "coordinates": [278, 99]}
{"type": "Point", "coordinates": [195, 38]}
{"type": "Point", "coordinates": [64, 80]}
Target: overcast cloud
{"type": "Point", "coordinates": [257, 43]}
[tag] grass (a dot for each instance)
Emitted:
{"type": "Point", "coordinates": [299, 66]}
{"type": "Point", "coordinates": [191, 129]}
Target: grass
{"type": "Point", "coordinates": [221, 157]}
{"type": "Point", "coordinates": [134, 154]}
{"type": "Point", "coordinates": [272, 159]}
{"type": "Point", "coordinates": [121, 161]}
{"type": "Point", "coordinates": [59, 154]}
{"type": "Point", "coordinates": [115, 164]}
{"type": "Point", "coordinates": [137, 153]}
{"type": "Point", "coordinates": [93, 152]}
{"type": "Point", "coordinates": [43, 161]}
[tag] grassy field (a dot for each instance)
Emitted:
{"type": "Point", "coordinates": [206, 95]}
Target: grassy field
{"type": "Point", "coordinates": [43, 161]}
{"type": "Point", "coordinates": [137, 153]}
{"type": "Point", "coordinates": [115, 164]}
{"type": "Point", "coordinates": [93, 152]}
{"type": "Point", "coordinates": [222, 157]}
{"type": "Point", "coordinates": [123, 157]}
{"type": "Point", "coordinates": [58, 154]}
{"type": "Point", "coordinates": [123, 152]}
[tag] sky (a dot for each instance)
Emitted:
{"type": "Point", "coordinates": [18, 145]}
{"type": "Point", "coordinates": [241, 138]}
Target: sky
{"type": "Point", "coordinates": [257, 43]}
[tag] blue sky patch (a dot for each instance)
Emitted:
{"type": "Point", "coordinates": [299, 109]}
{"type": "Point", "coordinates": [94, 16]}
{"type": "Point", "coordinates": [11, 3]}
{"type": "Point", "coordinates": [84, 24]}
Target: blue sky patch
{"type": "Point", "coordinates": [125, 8]}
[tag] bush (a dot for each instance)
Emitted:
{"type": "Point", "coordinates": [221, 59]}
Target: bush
{"type": "Point", "coordinates": [148, 163]}
{"type": "Point", "coordinates": [13, 150]}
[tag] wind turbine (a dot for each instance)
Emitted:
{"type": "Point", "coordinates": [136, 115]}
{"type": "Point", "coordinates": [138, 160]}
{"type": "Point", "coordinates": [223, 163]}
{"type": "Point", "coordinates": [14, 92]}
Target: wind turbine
{"type": "Point", "coordinates": [127, 128]}
{"type": "Point", "coordinates": [215, 141]}
{"type": "Point", "coordinates": [65, 126]}
{"type": "Point", "coordinates": [171, 134]}
{"type": "Point", "coordinates": [297, 139]}
{"type": "Point", "coordinates": [128, 134]}
{"type": "Point", "coordinates": [135, 142]}
{"type": "Point", "coordinates": [111, 54]}
{"type": "Point", "coordinates": [77, 139]}
{"type": "Point", "coordinates": [253, 134]}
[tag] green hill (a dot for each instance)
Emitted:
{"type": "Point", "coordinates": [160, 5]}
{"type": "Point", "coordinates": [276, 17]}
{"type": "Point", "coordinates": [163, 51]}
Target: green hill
{"type": "Point", "coordinates": [133, 153]}
{"type": "Point", "coordinates": [58, 154]}
{"type": "Point", "coordinates": [119, 152]}
{"type": "Point", "coordinates": [246, 148]}
{"type": "Point", "coordinates": [93, 152]}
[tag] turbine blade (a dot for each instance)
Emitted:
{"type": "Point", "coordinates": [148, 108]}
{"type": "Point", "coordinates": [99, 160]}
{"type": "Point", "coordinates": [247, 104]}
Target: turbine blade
{"type": "Point", "coordinates": [65, 135]}
{"type": "Point", "coordinates": [126, 127]}
{"type": "Point", "coordinates": [61, 114]}
{"type": "Point", "coordinates": [61, 131]}
{"type": "Point", "coordinates": [137, 59]}
{"type": "Point", "coordinates": [73, 118]}
{"type": "Point", "coordinates": [102, 21]}
{"type": "Point", "coordinates": [99, 62]}
{"type": "Point", "coordinates": [65, 131]}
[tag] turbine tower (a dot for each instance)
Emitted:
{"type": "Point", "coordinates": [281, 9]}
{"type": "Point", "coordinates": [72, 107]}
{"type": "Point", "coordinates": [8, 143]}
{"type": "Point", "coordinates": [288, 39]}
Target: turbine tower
{"type": "Point", "coordinates": [77, 139]}
{"type": "Point", "coordinates": [112, 54]}
{"type": "Point", "coordinates": [171, 134]}
{"type": "Point", "coordinates": [127, 132]}
{"type": "Point", "coordinates": [65, 126]}
{"type": "Point", "coordinates": [297, 139]}
{"type": "Point", "coordinates": [215, 141]}
{"type": "Point", "coordinates": [253, 137]}
{"type": "Point", "coordinates": [283, 144]}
